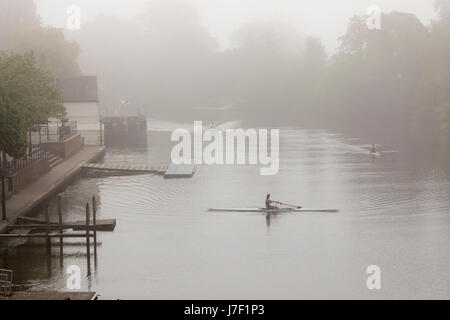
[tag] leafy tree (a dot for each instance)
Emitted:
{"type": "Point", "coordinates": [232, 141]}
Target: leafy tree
{"type": "Point", "coordinates": [13, 136]}
{"type": "Point", "coordinates": [375, 73]}
{"type": "Point", "coordinates": [31, 90]}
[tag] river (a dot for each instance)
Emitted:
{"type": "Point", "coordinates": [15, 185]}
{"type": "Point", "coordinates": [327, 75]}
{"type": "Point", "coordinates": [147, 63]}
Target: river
{"type": "Point", "coordinates": [393, 213]}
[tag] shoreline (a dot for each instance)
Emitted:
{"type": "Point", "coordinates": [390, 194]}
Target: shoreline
{"type": "Point", "coordinates": [32, 197]}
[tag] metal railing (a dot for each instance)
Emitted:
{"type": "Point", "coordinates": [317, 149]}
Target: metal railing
{"type": "Point", "coordinates": [6, 282]}
{"type": "Point", "coordinates": [54, 131]}
{"type": "Point", "coordinates": [11, 167]}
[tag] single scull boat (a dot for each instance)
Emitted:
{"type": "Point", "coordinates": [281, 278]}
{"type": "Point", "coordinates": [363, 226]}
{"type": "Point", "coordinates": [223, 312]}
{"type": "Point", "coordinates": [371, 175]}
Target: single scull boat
{"type": "Point", "coordinates": [275, 210]}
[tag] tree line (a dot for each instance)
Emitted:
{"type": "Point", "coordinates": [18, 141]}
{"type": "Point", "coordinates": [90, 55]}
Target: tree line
{"type": "Point", "coordinates": [28, 97]}
{"type": "Point", "coordinates": [394, 81]}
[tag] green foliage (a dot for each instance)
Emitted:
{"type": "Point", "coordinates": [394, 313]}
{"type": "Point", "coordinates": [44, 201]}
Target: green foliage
{"type": "Point", "coordinates": [13, 135]}
{"type": "Point", "coordinates": [29, 97]}
{"type": "Point", "coordinates": [32, 89]}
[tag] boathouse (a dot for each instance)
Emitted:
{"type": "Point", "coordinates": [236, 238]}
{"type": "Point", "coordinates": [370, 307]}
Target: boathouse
{"type": "Point", "coordinates": [80, 98]}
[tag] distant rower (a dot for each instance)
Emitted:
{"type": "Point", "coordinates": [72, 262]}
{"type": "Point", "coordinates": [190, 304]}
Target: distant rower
{"type": "Point", "coordinates": [269, 203]}
{"type": "Point", "coordinates": [373, 150]}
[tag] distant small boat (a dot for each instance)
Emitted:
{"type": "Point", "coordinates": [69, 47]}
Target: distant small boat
{"type": "Point", "coordinates": [391, 151]}
{"type": "Point", "coordinates": [275, 210]}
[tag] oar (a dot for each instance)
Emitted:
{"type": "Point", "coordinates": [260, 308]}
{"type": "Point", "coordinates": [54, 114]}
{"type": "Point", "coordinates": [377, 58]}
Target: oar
{"type": "Point", "coordinates": [290, 205]}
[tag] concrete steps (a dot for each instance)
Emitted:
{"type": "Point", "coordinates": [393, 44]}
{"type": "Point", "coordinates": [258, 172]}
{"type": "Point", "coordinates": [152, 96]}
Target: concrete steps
{"type": "Point", "coordinates": [54, 160]}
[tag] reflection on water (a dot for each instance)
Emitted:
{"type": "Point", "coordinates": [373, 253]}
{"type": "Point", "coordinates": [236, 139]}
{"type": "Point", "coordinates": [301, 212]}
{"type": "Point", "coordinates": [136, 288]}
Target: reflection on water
{"type": "Point", "coordinates": [393, 213]}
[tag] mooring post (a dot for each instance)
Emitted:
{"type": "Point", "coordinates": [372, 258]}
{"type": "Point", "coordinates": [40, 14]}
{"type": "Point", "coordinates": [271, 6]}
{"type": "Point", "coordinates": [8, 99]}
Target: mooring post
{"type": "Point", "coordinates": [3, 195]}
{"type": "Point", "coordinates": [47, 229]}
{"type": "Point", "coordinates": [101, 134]}
{"type": "Point", "coordinates": [88, 249]}
{"type": "Point", "coordinates": [60, 227]}
{"type": "Point", "coordinates": [94, 222]}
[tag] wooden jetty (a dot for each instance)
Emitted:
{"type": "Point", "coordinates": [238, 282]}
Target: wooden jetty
{"type": "Point", "coordinates": [168, 171]}
{"type": "Point", "coordinates": [126, 168]}
{"type": "Point", "coordinates": [44, 235]}
{"type": "Point", "coordinates": [34, 223]}
{"type": "Point", "coordinates": [49, 230]}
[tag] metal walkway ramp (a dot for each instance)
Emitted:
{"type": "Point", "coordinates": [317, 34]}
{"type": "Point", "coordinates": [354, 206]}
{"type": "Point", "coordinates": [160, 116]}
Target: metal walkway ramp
{"type": "Point", "coordinates": [180, 171]}
{"type": "Point", "coordinates": [168, 171]}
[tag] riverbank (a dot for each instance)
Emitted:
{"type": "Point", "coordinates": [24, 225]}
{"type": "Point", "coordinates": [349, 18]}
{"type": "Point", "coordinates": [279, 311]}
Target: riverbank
{"type": "Point", "coordinates": [37, 192]}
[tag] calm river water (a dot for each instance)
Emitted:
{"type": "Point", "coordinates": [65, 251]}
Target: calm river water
{"type": "Point", "coordinates": [394, 213]}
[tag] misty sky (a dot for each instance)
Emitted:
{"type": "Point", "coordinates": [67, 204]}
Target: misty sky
{"type": "Point", "coordinates": [325, 19]}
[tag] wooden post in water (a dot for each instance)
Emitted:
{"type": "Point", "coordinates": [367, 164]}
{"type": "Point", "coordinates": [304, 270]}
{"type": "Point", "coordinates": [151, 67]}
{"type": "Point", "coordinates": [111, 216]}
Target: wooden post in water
{"type": "Point", "coordinates": [47, 229]}
{"type": "Point", "coordinates": [94, 222]}
{"type": "Point", "coordinates": [3, 194]}
{"type": "Point", "coordinates": [101, 133]}
{"type": "Point", "coordinates": [88, 249]}
{"type": "Point", "coordinates": [60, 228]}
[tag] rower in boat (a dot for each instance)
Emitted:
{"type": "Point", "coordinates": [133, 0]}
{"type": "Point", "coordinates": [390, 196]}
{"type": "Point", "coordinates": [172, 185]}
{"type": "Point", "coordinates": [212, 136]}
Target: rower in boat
{"type": "Point", "coordinates": [278, 210]}
{"type": "Point", "coordinates": [270, 203]}
{"type": "Point", "coordinates": [373, 150]}
{"type": "Point", "coordinates": [271, 208]}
